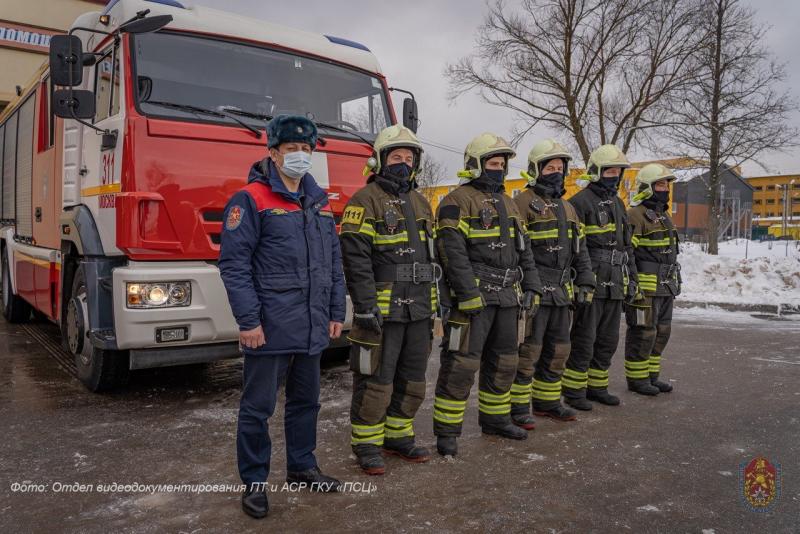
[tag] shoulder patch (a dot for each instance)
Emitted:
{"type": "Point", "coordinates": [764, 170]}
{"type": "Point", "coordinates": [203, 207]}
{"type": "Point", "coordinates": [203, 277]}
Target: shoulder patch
{"type": "Point", "coordinates": [234, 218]}
{"type": "Point", "coordinates": [353, 215]}
{"type": "Point", "coordinates": [450, 211]}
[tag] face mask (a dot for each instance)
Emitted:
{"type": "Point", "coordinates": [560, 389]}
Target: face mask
{"type": "Point", "coordinates": [400, 171]}
{"type": "Point", "coordinates": [296, 164]}
{"type": "Point", "coordinates": [610, 182]}
{"type": "Point", "coordinates": [496, 175]}
{"type": "Point", "coordinates": [661, 196]}
{"type": "Point", "coordinates": [555, 180]}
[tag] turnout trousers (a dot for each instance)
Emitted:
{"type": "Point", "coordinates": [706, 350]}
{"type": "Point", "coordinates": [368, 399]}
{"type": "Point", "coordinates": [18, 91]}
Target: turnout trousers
{"type": "Point", "coordinates": [595, 336]}
{"type": "Point", "coordinates": [646, 337]}
{"type": "Point", "coordinates": [384, 404]}
{"type": "Point", "coordinates": [485, 343]}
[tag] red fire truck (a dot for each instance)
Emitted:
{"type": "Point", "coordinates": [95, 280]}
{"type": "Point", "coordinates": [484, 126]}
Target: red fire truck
{"type": "Point", "coordinates": [117, 161]}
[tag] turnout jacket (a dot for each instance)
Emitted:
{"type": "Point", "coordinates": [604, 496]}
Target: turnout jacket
{"type": "Point", "coordinates": [608, 240]}
{"type": "Point", "coordinates": [483, 247]}
{"type": "Point", "coordinates": [388, 253]}
{"type": "Point", "coordinates": [280, 262]}
{"type": "Point", "coordinates": [558, 243]}
{"type": "Point", "coordinates": [655, 242]}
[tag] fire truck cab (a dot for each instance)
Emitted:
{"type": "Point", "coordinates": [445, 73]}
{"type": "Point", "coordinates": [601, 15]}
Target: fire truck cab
{"type": "Point", "coordinates": [114, 178]}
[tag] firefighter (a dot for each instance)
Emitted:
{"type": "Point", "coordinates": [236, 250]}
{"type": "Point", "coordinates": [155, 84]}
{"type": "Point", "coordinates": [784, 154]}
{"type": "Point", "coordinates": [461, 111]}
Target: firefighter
{"type": "Point", "coordinates": [595, 332]}
{"type": "Point", "coordinates": [288, 301]}
{"type": "Point", "coordinates": [490, 270]}
{"type": "Point", "coordinates": [388, 252]}
{"type": "Point", "coordinates": [655, 244]}
{"type": "Point", "coordinates": [565, 270]}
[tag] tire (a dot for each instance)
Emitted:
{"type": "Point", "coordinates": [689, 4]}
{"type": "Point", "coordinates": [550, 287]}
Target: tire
{"type": "Point", "coordinates": [98, 369]}
{"type": "Point", "coordinates": [15, 310]}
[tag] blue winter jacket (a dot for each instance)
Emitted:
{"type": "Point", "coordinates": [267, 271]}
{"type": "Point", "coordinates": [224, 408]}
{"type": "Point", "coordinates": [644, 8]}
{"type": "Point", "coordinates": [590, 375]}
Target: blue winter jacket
{"type": "Point", "coordinates": [281, 263]}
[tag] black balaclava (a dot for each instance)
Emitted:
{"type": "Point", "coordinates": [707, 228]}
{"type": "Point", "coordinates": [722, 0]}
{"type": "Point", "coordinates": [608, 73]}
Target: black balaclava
{"type": "Point", "coordinates": [658, 201]}
{"type": "Point", "coordinates": [606, 187]}
{"type": "Point", "coordinates": [398, 174]}
{"type": "Point", "coordinates": [549, 185]}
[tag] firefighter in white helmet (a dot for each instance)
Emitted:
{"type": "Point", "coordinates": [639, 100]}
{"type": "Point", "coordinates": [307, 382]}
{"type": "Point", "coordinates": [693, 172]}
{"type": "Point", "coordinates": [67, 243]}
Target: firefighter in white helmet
{"type": "Point", "coordinates": [388, 255]}
{"type": "Point", "coordinates": [489, 267]}
{"type": "Point", "coordinates": [565, 270]}
{"type": "Point", "coordinates": [595, 332]}
{"type": "Point", "coordinates": [655, 244]}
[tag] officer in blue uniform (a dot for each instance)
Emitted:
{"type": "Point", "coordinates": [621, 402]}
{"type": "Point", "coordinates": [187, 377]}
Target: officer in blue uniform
{"type": "Point", "coordinates": [281, 265]}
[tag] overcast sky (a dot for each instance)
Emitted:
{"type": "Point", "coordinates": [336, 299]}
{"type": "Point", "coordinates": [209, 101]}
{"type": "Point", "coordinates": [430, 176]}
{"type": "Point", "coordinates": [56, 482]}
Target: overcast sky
{"type": "Point", "coordinates": [415, 39]}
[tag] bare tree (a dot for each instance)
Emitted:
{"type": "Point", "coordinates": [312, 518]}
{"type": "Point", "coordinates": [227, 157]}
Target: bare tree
{"type": "Point", "coordinates": [430, 175]}
{"type": "Point", "coordinates": [732, 110]}
{"type": "Point", "coordinates": [592, 68]}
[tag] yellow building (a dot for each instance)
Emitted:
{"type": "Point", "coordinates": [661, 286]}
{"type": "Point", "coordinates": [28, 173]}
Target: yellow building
{"type": "Point", "coordinates": [768, 195]}
{"type": "Point", "coordinates": [26, 27]}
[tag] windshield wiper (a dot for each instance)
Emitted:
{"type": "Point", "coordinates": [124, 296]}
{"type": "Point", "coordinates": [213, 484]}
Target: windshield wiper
{"type": "Point", "coordinates": [344, 130]}
{"type": "Point", "coordinates": [251, 114]}
{"type": "Point", "coordinates": [195, 109]}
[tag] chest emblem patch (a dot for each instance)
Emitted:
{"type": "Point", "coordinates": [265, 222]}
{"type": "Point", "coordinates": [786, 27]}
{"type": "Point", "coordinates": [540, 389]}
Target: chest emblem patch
{"type": "Point", "coordinates": [353, 215]}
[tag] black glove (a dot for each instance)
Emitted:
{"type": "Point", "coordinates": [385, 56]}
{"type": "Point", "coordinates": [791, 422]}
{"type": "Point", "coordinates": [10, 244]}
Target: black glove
{"type": "Point", "coordinates": [584, 296]}
{"type": "Point", "coordinates": [369, 320]}
{"type": "Point", "coordinates": [634, 293]}
{"type": "Point", "coordinates": [530, 303]}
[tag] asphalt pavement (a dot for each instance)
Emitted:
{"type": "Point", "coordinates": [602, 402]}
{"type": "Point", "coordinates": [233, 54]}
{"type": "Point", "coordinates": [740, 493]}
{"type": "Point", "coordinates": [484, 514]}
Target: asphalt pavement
{"type": "Point", "coordinates": [71, 460]}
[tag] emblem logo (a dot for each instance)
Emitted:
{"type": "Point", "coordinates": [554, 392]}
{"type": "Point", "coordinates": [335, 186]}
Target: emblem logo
{"type": "Point", "coordinates": [760, 481]}
{"type": "Point", "coordinates": [234, 218]}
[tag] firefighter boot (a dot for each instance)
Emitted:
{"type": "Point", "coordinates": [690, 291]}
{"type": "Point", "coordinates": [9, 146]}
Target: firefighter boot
{"type": "Point", "coordinates": [643, 387]}
{"type": "Point", "coordinates": [602, 396]}
{"type": "Point", "coordinates": [447, 445]}
{"type": "Point", "coordinates": [579, 403]}
{"type": "Point", "coordinates": [558, 413]}
{"type": "Point", "coordinates": [523, 420]}
{"type": "Point", "coordinates": [405, 449]}
{"type": "Point", "coordinates": [369, 459]}
{"type": "Point", "coordinates": [505, 430]}
{"type": "Point", "coordinates": [663, 387]}
{"type": "Point", "coordinates": [254, 502]}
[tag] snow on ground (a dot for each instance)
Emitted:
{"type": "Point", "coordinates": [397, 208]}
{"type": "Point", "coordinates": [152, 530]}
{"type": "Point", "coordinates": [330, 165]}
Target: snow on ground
{"type": "Point", "coordinates": [769, 275]}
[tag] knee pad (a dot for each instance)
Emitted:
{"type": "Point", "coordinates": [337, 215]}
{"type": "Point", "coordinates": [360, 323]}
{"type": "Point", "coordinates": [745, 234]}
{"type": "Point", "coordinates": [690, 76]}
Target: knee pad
{"type": "Point", "coordinates": [374, 402]}
{"type": "Point", "coordinates": [412, 398]}
{"type": "Point", "coordinates": [560, 355]}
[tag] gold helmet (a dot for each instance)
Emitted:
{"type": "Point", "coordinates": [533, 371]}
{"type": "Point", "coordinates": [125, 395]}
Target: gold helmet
{"type": "Point", "coordinates": [648, 175]}
{"type": "Point", "coordinates": [483, 147]}
{"type": "Point", "coordinates": [605, 157]}
{"type": "Point", "coordinates": [396, 136]}
{"type": "Point", "coordinates": [542, 152]}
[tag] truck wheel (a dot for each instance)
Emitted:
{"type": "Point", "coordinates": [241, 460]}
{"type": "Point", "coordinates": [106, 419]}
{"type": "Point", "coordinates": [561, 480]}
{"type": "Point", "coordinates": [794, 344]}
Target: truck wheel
{"type": "Point", "coordinates": [98, 369]}
{"type": "Point", "coordinates": [15, 310]}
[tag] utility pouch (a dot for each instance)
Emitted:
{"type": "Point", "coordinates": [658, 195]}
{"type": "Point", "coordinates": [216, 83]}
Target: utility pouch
{"type": "Point", "coordinates": [458, 325]}
{"type": "Point", "coordinates": [365, 351]}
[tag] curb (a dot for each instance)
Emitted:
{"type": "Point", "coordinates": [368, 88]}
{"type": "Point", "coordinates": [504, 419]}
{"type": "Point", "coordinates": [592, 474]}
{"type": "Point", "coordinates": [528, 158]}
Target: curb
{"type": "Point", "coordinates": [776, 309]}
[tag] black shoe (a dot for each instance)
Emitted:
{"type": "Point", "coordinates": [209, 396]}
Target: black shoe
{"type": "Point", "coordinates": [602, 396]}
{"type": "Point", "coordinates": [559, 413]}
{"type": "Point", "coordinates": [370, 459]}
{"type": "Point", "coordinates": [315, 479]}
{"type": "Point", "coordinates": [507, 430]}
{"type": "Point", "coordinates": [405, 449]}
{"type": "Point", "coordinates": [663, 387]}
{"type": "Point", "coordinates": [447, 445]}
{"type": "Point", "coordinates": [581, 403]}
{"type": "Point", "coordinates": [255, 503]}
{"type": "Point", "coordinates": [524, 420]}
{"type": "Point", "coordinates": [643, 388]}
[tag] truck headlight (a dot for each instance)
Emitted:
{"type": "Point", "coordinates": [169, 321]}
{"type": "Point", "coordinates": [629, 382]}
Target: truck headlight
{"type": "Point", "coordinates": [158, 294]}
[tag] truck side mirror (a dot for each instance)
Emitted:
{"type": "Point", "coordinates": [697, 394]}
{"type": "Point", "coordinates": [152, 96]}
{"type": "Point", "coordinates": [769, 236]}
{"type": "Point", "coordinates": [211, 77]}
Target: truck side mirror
{"type": "Point", "coordinates": [72, 104]}
{"type": "Point", "coordinates": [410, 114]}
{"type": "Point", "coordinates": [66, 60]}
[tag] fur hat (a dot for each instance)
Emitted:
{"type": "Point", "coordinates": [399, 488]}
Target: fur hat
{"type": "Point", "coordinates": [291, 129]}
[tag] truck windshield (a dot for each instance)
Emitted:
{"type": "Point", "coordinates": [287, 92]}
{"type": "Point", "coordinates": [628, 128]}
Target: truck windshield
{"type": "Point", "coordinates": [222, 75]}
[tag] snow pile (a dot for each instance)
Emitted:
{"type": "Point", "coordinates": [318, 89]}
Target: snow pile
{"type": "Point", "coordinates": [768, 276]}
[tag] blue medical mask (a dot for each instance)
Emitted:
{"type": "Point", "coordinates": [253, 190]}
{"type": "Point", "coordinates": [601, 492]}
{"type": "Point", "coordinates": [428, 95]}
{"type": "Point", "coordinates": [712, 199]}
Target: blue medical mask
{"type": "Point", "coordinates": [296, 164]}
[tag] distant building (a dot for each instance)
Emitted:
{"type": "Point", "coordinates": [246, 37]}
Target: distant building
{"type": "Point", "coordinates": [690, 200]}
{"type": "Point", "coordinates": [768, 199]}
{"type": "Point", "coordinates": [26, 27]}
